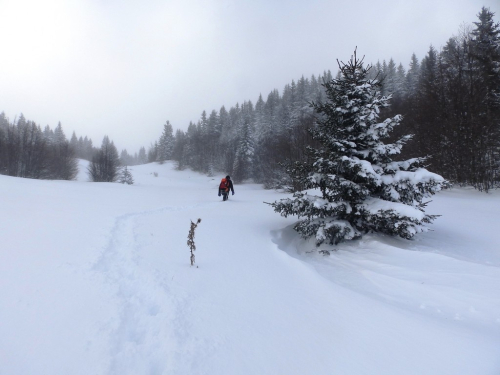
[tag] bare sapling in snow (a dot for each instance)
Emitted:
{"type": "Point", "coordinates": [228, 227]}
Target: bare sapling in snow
{"type": "Point", "coordinates": [353, 185]}
{"type": "Point", "coordinates": [190, 241]}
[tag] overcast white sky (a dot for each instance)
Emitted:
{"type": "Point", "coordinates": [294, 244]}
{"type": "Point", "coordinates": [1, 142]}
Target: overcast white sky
{"type": "Point", "coordinates": [123, 67]}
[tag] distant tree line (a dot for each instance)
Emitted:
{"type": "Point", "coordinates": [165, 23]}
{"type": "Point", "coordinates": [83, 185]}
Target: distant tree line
{"type": "Point", "coordinates": [84, 149]}
{"type": "Point", "coordinates": [28, 151]}
{"type": "Point", "coordinates": [247, 141]}
{"type": "Point", "coordinates": [450, 102]}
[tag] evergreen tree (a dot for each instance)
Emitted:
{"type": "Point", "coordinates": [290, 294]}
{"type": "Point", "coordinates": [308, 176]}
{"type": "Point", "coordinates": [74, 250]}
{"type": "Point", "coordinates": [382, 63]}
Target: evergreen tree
{"type": "Point", "coordinates": [179, 146]}
{"type": "Point", "coordinates": [62, 164]}
{"type": "Point", "coordinates": [89, 149]}
{"type": "Point", "coordinates": [400, 81]}
{"type": "Point", "coordinates": [80, 153]}
{"type": "Point", "coordinates": [190, 150]}
{"type": "Point", "coordinates": [125, 176]}
{"type": "Point", "coordinates": [126, 158]}
{"type": "Point", "coordinates": [59, 136]}
{"type": "Point", "coordinates": [153, 152]}
{"type": "Point", "coordinates": [225, 145]}
{"type": "Point", "coordinates": [4, 156]}
{"type": "Point", "coordinates": [48, 134]}
{"type": "Point", "coordinates": [105, 163]}
{"type": "Point", "coordinates": [166, 143]}
{"type": "Point", "coordinates": [33, 161]}
{"type": "Point", "coordinates": [243, 163]}
{"type": "Point", "coordinates": [412, 75]}
{"type": "Point", "coordinates": [390, 78]}
{"type": "Point", "coordinates": [361, 187]}
{"type": "Point", "coordinates": [74, 143]}
{"type": "Point", "coordinates": [212, 136]}
{"type": "Point", "coordinates": [485, 50]}
{"type": "Point", "coordinates": [143, 158]}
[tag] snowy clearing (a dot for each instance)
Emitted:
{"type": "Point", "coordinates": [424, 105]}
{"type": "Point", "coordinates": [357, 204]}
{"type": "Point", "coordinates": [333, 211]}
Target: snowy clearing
{"type": "Point", "coordinates": [95, 278]}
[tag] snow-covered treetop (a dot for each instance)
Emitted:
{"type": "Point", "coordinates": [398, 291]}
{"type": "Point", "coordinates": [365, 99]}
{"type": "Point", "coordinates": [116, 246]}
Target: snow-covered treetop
{"type": "Point", "coordinates": [362, 188]}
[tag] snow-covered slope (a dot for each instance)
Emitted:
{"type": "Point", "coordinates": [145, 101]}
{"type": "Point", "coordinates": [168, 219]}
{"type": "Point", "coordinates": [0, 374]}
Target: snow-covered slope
{"type": "Point", "coordinates": [95, 278]}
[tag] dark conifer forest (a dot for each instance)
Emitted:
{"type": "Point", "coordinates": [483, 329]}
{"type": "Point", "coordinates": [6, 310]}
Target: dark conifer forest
{"type": "Point", "coordinates": [449, 101]}
{"type": "Point", "coordinates": [28, 151]}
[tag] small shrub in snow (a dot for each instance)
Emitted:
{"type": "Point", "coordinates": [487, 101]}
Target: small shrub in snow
{"type": "Point", "coordinates": [126, 176]}
{"type": "Point", "coordinates": [361, 187]}
{"type": "Point", "coordinates": [190, 241]}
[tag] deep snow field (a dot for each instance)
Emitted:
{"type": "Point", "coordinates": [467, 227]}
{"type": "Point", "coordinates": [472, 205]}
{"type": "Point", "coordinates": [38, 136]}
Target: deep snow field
{"type": "Point", "coordinates": [95, 278]}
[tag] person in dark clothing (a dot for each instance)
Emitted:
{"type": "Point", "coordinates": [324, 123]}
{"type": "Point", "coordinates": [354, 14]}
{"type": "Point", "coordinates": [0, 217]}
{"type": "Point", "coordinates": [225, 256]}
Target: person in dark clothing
{"type": "Point", "coordinates": [230, 184]}
{"type": "Point", "coordinates": [225, 186]}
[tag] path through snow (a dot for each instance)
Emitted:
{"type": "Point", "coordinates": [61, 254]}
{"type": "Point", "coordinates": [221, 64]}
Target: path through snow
{"type": "Point", "coordinates": [103, 285]}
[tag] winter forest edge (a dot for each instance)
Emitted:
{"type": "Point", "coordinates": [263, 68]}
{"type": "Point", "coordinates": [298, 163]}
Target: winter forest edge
{"type": "Point", "coordinates": [360, 236]}
{"type": "Point", "coordinates": [449, 102]}
{"type": "Point", "coordinates": [362, 188]}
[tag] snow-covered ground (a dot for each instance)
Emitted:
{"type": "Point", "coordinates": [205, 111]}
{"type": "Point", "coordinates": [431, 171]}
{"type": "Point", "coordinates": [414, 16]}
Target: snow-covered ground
{"type": "Point", "coordinates": [95, 278]}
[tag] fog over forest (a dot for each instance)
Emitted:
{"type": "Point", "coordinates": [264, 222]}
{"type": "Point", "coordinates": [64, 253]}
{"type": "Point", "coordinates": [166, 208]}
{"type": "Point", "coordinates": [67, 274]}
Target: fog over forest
{"type": "Point", "coordinates": [122, 69]}
{"type": "Point", "coordinates": [449, 99]}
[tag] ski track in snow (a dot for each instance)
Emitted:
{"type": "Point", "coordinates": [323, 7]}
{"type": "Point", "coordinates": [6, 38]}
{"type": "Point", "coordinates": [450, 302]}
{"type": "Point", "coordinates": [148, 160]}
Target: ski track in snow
{"type": "Point", "coordinates": [151, 331]}
{"type": "Point", "coordinates": [151, 323]}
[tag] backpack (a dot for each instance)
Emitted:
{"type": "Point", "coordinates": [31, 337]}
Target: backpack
{"type": "Point", "coordinates": [224, 185]}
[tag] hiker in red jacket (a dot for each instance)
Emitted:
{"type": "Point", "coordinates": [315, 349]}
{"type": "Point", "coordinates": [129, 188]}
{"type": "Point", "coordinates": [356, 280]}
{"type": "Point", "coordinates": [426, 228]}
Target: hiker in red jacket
{"type": "Point", "coordinates": [225, 186]}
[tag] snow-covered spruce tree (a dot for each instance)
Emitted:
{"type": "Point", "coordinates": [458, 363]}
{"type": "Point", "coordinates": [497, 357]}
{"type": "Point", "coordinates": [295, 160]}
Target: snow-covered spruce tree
{"type": "Point", "coordinates": [361, 189]}
{"type": "Point", "coordinates": [166, 143]}
{"type": "Point", "coordinates": [243, 161]}
{"type": "Point", "coordinates": [126, 176]}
